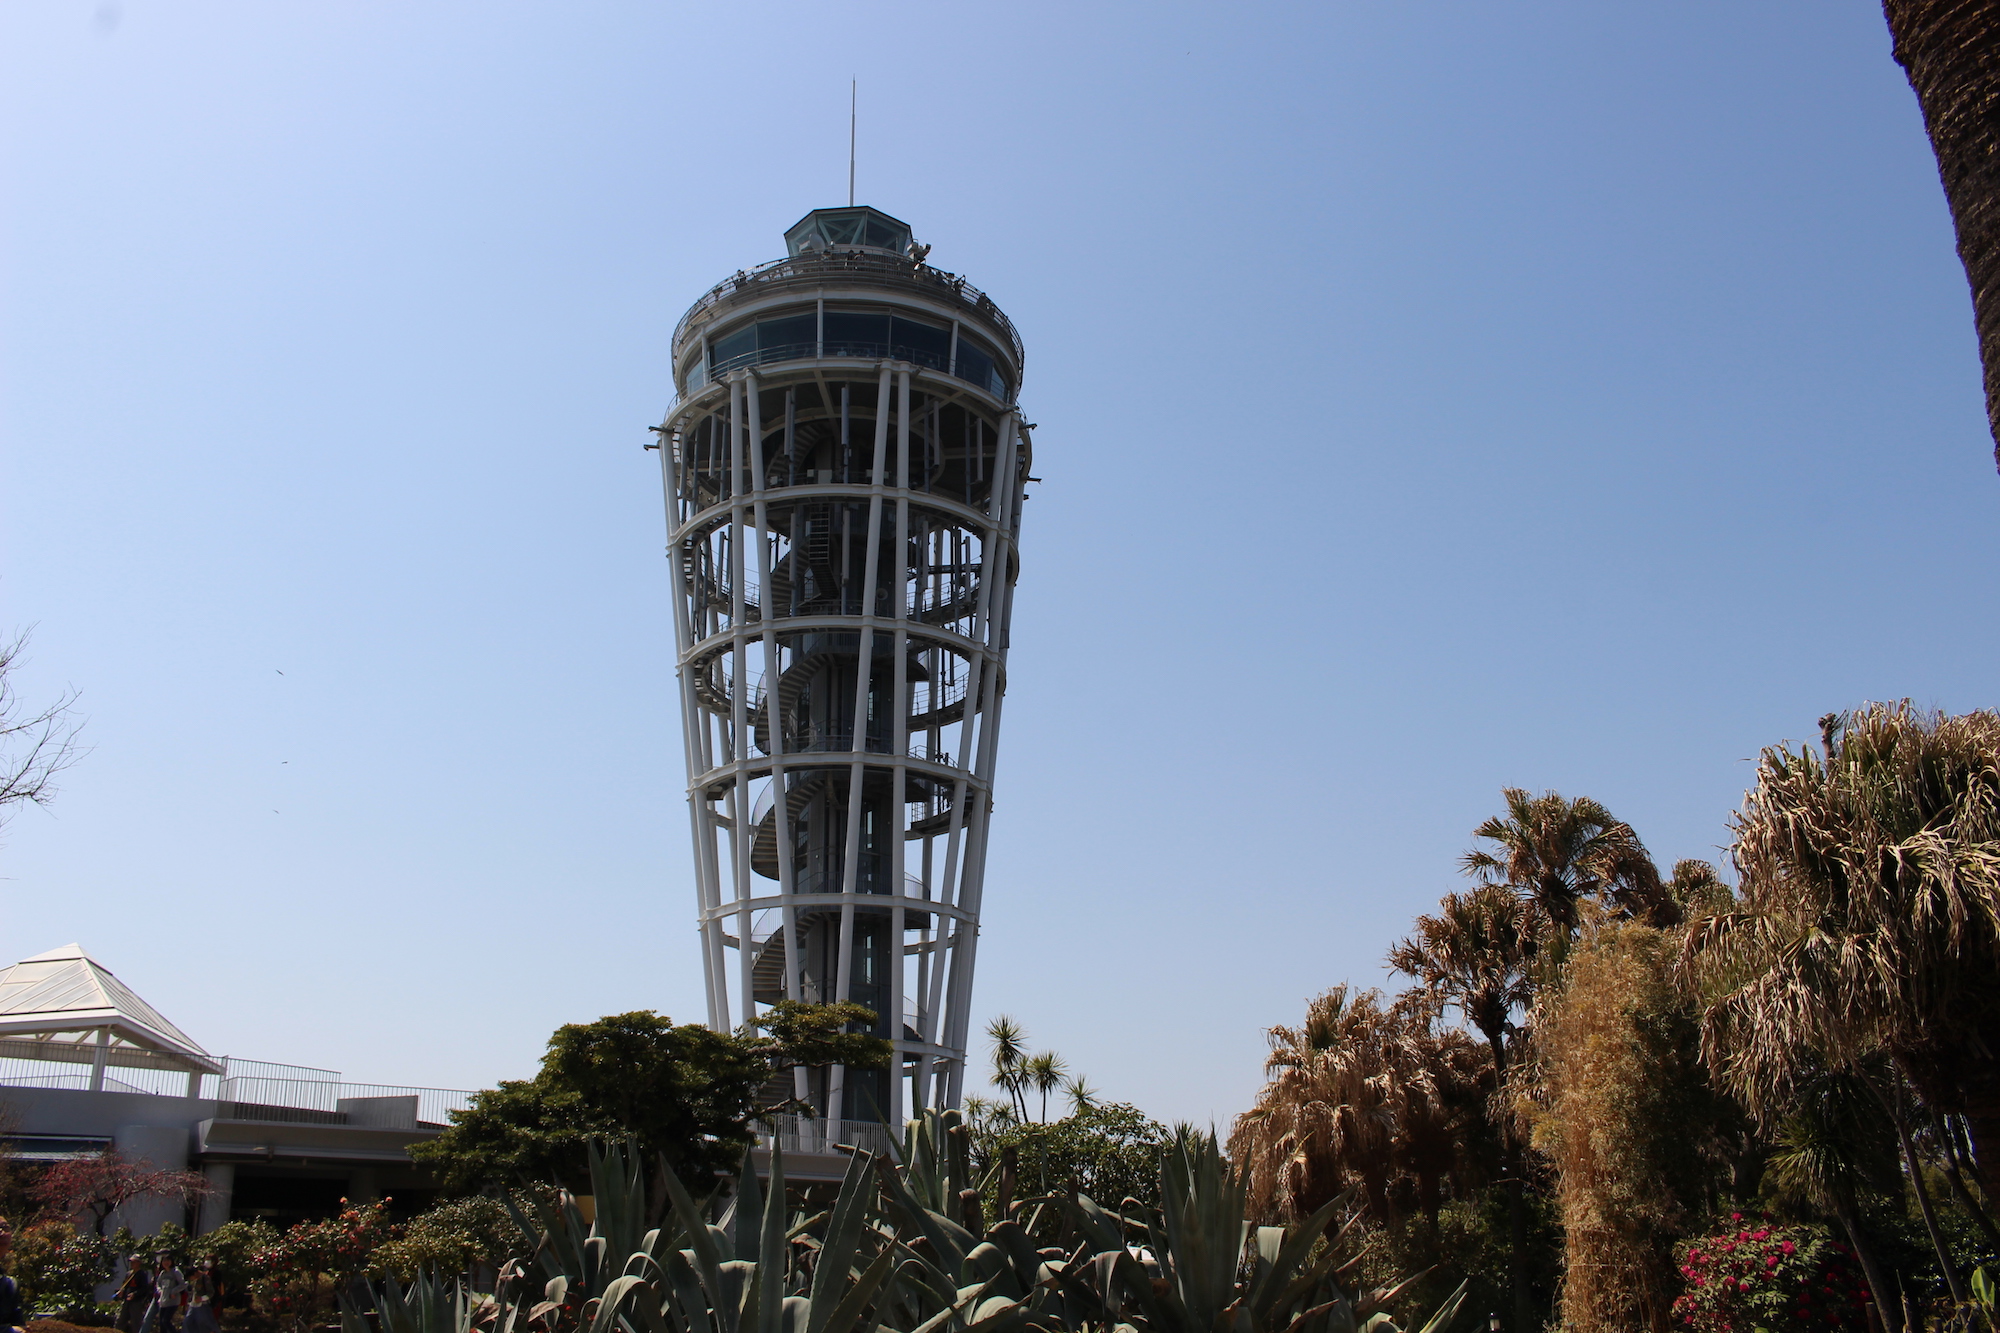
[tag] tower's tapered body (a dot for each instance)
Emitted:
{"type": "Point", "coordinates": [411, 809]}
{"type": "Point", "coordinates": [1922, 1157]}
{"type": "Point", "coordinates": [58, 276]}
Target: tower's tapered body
{"type": "Point", "coordinates": [843, 471]}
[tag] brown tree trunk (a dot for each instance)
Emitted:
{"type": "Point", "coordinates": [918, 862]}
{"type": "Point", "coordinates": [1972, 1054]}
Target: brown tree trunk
{"type": "Point", "coordinates": [1951, 51]}
{"type": "Point", "coordinates": [1959, 1295]}
{"type": "Point", "coordinates": [1887, 1308]}
{"type": "Point", "coordinates": [1517, 1212]}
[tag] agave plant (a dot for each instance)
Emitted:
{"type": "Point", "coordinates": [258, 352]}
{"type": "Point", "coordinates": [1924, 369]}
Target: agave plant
{"type": "Point", "coordinates": [903, 1250]}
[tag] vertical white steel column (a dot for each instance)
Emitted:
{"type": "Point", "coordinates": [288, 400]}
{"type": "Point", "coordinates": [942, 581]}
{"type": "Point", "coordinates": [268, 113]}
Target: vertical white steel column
{"type": "Point", "coordinates": [899, 741]}
{"type": "Point", "coordinates": [690, 719]}
{"type": "Point", "coordinates": [1006, 486]}
{"type": "Point", "coordinates": [864, 669]}
{"type": "Point", "coordinates": [737, 751]}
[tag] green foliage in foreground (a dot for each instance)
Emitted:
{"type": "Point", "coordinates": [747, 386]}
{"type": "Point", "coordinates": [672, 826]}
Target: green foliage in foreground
{"type": "Point", "coordinates": [681, 1091]}
{"type": "Point", "coordinates": [902, 1250]}
{"type": "Point", "coordinates": [1109, 1152]}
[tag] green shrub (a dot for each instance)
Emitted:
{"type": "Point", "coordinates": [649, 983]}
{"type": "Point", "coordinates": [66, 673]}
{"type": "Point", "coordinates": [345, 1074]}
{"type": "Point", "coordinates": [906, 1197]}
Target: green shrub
{"type": "Point", "coordinates": [452, 1238]}
{"type": "Point", "coordinates": [59, 1268]}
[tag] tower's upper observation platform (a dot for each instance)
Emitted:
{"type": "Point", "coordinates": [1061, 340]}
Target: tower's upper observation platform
{"type": "Point", "coordinates": [854, 285]}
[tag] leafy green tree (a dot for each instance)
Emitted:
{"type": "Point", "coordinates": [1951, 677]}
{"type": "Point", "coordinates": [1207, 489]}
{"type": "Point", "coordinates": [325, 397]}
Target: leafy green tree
{"type": "Point", "coordinates": [682, 1091]}
{"type": "Point", "coordinates": [1110, 1151]}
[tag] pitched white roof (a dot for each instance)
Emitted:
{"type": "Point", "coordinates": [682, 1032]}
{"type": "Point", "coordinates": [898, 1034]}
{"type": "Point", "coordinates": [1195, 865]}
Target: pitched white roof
{"type": "Point", "coordinates": [61, 999]}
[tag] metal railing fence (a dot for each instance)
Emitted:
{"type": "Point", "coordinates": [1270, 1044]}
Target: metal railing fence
{"type": "Point", "coordinates": [804, 1134]}
{"type": "Point", "coordinates": [807, 270]}
{"type": "Point", "coordinates": [246, 1089]}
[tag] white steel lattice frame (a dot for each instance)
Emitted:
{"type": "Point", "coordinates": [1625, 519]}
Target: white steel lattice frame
{"type": "Point", "coordinates": [762, 636]}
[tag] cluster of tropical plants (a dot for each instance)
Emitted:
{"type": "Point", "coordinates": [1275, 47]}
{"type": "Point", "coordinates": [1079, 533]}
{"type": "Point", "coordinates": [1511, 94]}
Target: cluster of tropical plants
{"type": "Point", "coordinates": [1597, 1062]}
{"type": "Point", "coordinates": [904, 1247]}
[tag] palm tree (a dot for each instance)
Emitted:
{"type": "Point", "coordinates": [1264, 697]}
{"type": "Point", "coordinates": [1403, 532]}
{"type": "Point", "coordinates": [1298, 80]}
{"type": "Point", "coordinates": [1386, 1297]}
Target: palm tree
{"type": "Point", "coordinates": [1340, 1091]}
{"type": "Point", "coordinates": [1044, 1073]}
{"type": "Point", "coordinates": [1010, 1057]}
{"type": "Point", "coordinates": [1867, 928]}
{"type": "Point", "coordinates": [1951, 51]}
{"type": "Point", "coordinates": [1082, 1097]}
{"type": "Point", "coordinates": [1474, 955]}
{"type": "Point", "coordinates": [1830, 1148]}
{"type": "Point", "coordinates": [1557, 853]}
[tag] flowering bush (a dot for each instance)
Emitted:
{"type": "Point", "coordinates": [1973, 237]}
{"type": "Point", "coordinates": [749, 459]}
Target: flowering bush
{"type": "Point", "coordinates": [1784, 1279]}
{"type": "Point", "coordinates": [59, 1267]}
{"type": "Point", "coordinates": [299, 1275]}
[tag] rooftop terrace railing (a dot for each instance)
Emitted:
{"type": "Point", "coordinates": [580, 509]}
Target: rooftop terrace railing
{"type": "Point", "coordinates": [810, 270]}
{"type": "Point", "coordinates": [245, 1090]}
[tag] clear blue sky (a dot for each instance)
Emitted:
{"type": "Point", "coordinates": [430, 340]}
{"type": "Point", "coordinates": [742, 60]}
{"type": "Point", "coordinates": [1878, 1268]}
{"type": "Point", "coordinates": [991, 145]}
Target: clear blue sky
{"type": "Point", "coordinates": [1433, 397]}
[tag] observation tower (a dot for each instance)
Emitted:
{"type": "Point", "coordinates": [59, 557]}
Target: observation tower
{"type": "Point", "coordinates": [843, 468]}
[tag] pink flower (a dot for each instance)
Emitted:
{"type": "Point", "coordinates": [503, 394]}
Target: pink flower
{"type": "Point", "coordinates": [1788, 1247]}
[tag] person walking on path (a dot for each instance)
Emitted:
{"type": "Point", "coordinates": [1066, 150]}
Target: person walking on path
{"type": "Point", "coordinates": [12, 1316]}
{"type": "Point", "coordinates": [135, 1294]}
{"type": "Point", "coordinates": [204, 1296]}
{"type": "Point", "coordinates": [167, 1289]}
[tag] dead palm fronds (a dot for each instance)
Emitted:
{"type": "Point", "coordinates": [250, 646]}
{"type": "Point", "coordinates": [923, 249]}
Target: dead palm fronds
{"type": "Point", "coordinates": [1868, 924]}
{"type": "Point", "coordinates": [1558, 853]}
{"type": "Point", "coordinates": [1360, 1097]}
{"type": "Point", "coordinates": [1473, 956]}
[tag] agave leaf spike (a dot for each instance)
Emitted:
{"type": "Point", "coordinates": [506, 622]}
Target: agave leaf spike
{"type": "Point", "coordinates": [605, 1318]}
{"type": "Point", "coordinates": [948, 1240]}
{"type": "Point", "coordinates": [839, 1247]}
{"type": "Point", "coordinates": [772, 1248]}
{"type": "Point", "coordinates": [1380, 1298]}
{"type": "Point", "coordinates": [848, 1312]}
{"type": "Point", "coordinates": [1447, 1312]}
{"type": "Point", "coordinates": [689, 1296]}
{"type": "Point", "coordinates": [748, 1209]}
{"type": "Point", "coordinates": [967, 1297]}
{"type": "Point", "coordinates": [704, 1255]}
{"type": "Point", "coordinates": [1285, 1251]}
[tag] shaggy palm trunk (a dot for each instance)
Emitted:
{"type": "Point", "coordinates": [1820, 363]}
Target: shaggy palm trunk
{"type": "Point", "coordinates": [1956, 1180]}
{"type": "Point", "coordinates": [1517, 1210]}
{"type": "Point", "coordinates": [1959, 1295]}
{"type": "Point", "coordinates": [1951, 51]}
{"type": "Point", "coordinates": [1886, 1308]}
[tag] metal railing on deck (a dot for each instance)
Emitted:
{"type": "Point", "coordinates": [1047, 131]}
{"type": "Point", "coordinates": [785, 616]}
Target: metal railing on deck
{"type": "Point", "coordinates": [805, 1134]}
{"type": "Point", "coordinates": [245, 1090]}
{"type": "Point", "coordinates": [807, 270]}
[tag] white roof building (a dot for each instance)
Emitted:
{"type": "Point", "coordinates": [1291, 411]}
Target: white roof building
{"type": "Point", "coordinates": [67, 1007]}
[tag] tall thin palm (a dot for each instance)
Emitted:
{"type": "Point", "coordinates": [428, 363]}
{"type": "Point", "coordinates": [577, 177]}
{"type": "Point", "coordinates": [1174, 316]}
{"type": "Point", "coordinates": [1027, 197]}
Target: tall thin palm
{"type": "Point", "coordinates": [1948, 50]}
{"type": "Point", "coordinates": [1044, 1073]}
{"type": "Point", "coordinates": [1557, 853]}
{"type": "Point", "coordinates": [1010, 1055]}
{"type": "Point", "coordinates": [1473, 956]}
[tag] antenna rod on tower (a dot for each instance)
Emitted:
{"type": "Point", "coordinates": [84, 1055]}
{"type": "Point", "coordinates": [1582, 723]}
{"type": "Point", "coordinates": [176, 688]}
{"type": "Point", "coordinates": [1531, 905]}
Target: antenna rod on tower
{"type": "Point", "coordinates": [853, 100]}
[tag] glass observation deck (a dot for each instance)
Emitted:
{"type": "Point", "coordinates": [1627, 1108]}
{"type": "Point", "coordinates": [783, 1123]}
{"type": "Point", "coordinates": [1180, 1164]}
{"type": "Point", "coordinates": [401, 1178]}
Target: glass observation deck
{"type": "Point", "coordinates": [825, 228]}
{"type": "Point", "coordinates": [837, 259]}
